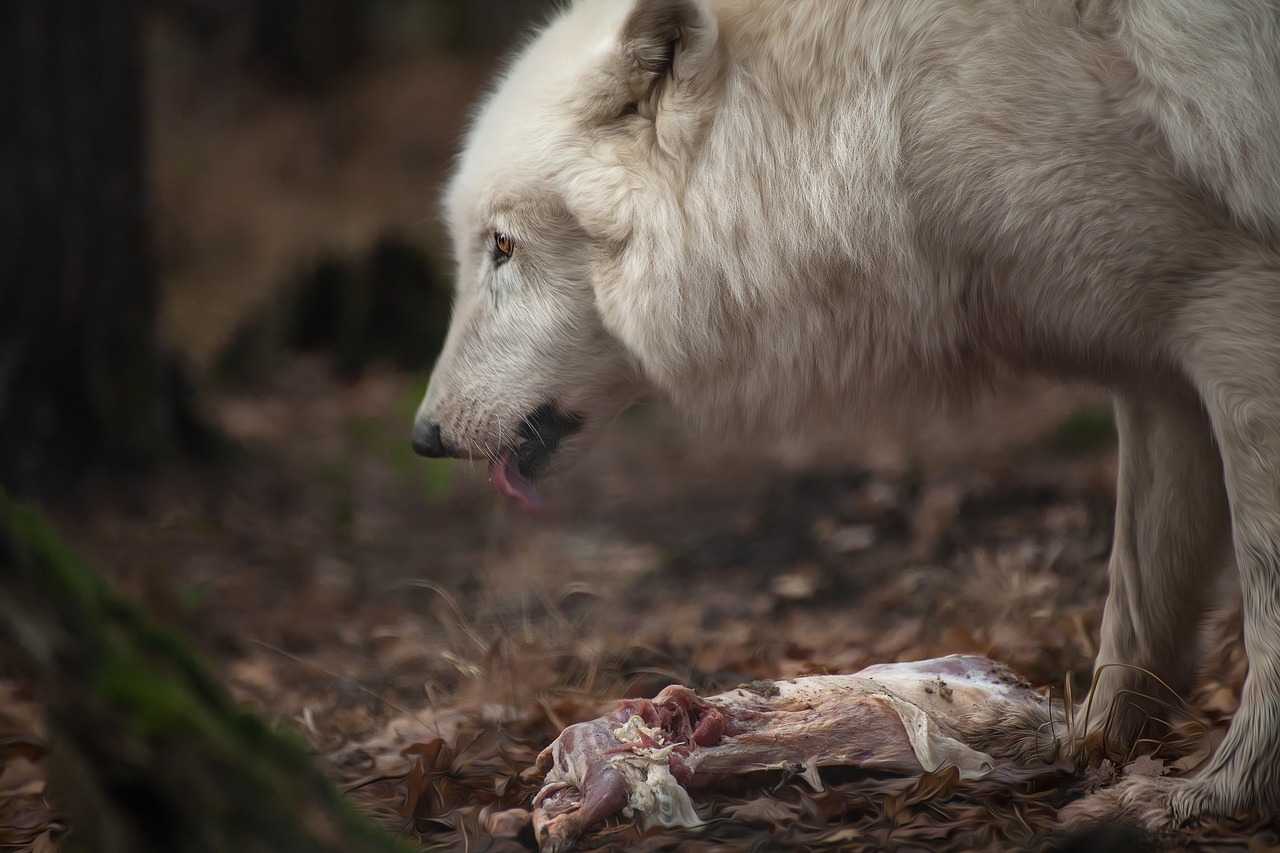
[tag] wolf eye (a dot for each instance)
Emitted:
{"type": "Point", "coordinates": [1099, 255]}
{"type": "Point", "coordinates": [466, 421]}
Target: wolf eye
{"type": "Point", "coordinates": [503, 246]}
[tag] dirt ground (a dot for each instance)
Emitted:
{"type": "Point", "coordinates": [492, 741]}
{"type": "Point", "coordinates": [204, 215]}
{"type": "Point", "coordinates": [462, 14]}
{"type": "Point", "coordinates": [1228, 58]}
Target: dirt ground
{"type": "Point", "coordinates": [429, 640]}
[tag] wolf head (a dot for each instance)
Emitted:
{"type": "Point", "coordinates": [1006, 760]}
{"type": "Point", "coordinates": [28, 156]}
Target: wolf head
{"type": "Point", "coordinates": [548, 343]}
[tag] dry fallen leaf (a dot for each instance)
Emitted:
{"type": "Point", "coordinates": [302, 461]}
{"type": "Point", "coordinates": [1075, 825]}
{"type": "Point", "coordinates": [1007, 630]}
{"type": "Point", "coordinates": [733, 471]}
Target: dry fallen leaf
{"type": "Point", "coordinates": [764, 810]}
{"type": "Point", "coordinates": [46, 842]}
{"type": "Point", "coordinates": [1145, 765]}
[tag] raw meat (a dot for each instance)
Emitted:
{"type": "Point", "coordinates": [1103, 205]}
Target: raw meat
{"type": "Point", "coordinates": [641, 759]}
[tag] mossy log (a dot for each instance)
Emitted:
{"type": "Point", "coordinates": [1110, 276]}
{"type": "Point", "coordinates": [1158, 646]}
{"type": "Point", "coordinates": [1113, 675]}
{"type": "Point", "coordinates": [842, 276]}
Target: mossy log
{"type": "Point", "coordinates": [148, 752]}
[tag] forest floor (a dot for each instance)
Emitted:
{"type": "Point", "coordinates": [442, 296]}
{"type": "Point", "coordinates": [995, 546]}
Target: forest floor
{"type": "Point", "coordinates": [428, 639]}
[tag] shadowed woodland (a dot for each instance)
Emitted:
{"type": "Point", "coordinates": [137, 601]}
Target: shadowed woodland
{"type": "Point", "coordinates": [237, 613]}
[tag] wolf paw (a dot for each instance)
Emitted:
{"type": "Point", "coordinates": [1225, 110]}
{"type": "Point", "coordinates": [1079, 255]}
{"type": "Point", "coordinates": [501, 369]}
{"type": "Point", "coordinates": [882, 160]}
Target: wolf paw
{"type": "Point", "coordinates": [1144, 800]}
{"type": "Point", "coordinates": [1164, 805]}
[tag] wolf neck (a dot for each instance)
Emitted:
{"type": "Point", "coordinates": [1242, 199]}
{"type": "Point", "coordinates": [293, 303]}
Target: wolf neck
{"type": "Point", "coordinates": [794, 230]}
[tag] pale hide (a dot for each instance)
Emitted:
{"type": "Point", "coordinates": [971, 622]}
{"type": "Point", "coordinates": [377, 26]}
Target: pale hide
{"type": "Point", "coordinates": [642, 759]}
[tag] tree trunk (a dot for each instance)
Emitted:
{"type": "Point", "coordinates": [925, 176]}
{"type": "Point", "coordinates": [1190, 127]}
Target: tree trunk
{"type": "Point", "coordinates": [150, 755]}
{"type": "Point", "coordinates": [81, 380]}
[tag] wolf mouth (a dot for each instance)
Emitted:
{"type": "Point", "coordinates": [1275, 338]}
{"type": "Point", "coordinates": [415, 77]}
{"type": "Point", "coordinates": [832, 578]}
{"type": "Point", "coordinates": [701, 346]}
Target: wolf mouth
{"type": "Point", "coordinates": [515, 469]}
{"type": "Point", "coordinates": [541, 433]}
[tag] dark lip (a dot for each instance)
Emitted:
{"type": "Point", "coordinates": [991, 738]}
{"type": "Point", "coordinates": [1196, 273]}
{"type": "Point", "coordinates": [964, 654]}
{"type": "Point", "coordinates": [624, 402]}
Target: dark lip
{"type": "Point", "coordinates": [542, 430]}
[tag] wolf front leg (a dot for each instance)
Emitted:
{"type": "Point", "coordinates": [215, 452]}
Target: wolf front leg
{"type": "Point", "coordinates": [1230, 344]}
{"type": "Point", "coordinates": [1171, 535]}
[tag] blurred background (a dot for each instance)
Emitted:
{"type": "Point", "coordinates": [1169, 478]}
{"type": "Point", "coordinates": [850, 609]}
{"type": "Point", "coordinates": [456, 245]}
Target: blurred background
{"type": "Point", "coordinates": [225, 283]}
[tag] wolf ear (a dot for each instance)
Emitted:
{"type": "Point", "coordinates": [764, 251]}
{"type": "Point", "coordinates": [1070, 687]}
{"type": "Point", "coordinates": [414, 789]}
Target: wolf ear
{"type": "Point", "coordinates": [667, 41]}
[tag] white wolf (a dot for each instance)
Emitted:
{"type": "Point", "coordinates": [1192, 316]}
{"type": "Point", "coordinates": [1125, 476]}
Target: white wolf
{"type": "Point", "coordinates": [774, 212]}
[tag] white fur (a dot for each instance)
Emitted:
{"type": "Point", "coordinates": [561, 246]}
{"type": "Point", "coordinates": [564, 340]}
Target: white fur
{"type": "Point", "coordinates": [784, 212]}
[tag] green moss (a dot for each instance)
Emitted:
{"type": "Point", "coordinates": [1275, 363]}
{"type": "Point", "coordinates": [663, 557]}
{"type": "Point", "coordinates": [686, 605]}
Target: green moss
{"type": "Point", "coordinates": [1084, 430]}
{"type": "Point", "coordinates": [150, 752]}
{"type": "Point", "coordinates": [437, 479]}
{"type": "Point", "coordinates": [392, 447]}
{"type": "Point", "coordinates": [154, 707]}
{"type": "Point", "coordinates": [336, 478]}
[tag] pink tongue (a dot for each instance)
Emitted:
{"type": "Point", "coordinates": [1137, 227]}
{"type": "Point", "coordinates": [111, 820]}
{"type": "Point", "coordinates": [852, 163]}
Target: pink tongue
{"type": "Point", "coordinates": [504, 473]}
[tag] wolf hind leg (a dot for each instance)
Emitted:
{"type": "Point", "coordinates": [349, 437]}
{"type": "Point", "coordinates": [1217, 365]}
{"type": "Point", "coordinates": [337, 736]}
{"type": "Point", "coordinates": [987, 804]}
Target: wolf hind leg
{"type": "Point", "coordinates": [1171, 536]}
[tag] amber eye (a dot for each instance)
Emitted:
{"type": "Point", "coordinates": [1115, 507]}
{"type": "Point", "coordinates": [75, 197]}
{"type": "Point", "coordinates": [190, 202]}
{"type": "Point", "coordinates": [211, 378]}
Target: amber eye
{"type": "Point", "coordinates": [502, 246]}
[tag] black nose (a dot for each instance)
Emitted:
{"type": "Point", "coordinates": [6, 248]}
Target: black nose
{"type": "Point", "coordinates": [427, 440]}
